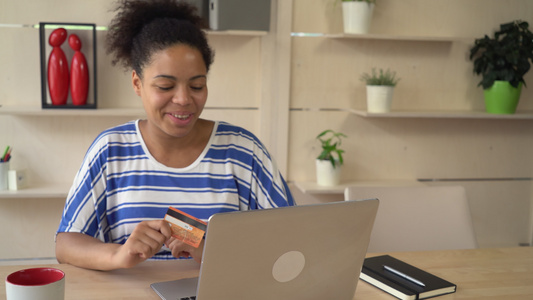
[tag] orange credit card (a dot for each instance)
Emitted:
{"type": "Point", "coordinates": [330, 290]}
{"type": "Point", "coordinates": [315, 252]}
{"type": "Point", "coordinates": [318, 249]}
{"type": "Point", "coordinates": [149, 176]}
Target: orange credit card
{"type": "Point", "coordinates": [185, 227]}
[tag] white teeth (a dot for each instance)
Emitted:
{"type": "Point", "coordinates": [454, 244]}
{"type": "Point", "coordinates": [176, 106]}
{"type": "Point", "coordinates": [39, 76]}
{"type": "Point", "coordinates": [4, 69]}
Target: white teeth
{"type": "Point", "coordinates": [181, 117]}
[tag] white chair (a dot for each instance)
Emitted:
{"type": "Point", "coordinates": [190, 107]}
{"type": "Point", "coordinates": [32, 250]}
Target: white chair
{"type": "Point", "coordinates": [418, 218]}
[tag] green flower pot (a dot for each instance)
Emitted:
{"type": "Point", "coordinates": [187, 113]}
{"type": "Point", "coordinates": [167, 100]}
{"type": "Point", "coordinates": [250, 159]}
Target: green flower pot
{"type": "Point", "coordinates": [502, 98]}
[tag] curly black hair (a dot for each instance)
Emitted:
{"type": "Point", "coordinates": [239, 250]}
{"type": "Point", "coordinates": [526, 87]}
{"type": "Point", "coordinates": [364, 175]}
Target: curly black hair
{"type": "Point", "coordinates": [142, 27]}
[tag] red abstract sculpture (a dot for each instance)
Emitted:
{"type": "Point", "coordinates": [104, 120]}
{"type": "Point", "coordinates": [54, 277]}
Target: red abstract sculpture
{"type": "Point", "coordinates": [58, 74]}
{"type": "Point", "coordinates": [79, 74]}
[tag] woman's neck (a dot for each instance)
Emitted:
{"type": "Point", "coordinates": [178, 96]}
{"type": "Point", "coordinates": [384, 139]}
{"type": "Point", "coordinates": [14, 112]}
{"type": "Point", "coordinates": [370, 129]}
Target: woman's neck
{"type": "Point", "coordinates": [177, 152]}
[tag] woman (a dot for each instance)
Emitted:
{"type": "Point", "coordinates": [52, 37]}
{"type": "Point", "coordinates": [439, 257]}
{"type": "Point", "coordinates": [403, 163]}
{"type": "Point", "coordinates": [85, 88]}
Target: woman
{"type": "Point", "coordinates": [132, 173]}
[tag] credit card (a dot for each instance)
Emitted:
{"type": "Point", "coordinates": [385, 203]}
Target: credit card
{"type": "Point", "coordinates": [185, 227]}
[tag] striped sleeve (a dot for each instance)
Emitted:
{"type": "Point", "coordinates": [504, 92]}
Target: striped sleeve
{"type": "Point", "coordinates": [86, 205]}
{"type": "Point", "coordinates": [259, 182]}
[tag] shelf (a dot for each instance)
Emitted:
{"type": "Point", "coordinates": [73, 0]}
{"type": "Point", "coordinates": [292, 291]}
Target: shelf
{"type": "Point", "coordinates": [251, 33]}
{"type": "Point", "coordinates": [38, 111]}
{"type": "Point", "coordinates": [385, 37]}
{"type": "Point", "coordinates": [398, 38]}
{"type": "Point", "coordinates": [52, 190]}
{"type": "Point", "coordinates": [139, 112]}
{"type": "Point", "coordinates": [35, 111]}
{"type": "Point", "coordinates": [443, 114]}
{"type": "Point", "coordinates": [311, 187]}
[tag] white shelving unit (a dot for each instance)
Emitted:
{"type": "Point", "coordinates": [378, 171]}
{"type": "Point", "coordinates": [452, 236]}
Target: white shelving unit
{"type": "Point", "coordinates": [50, 190]}
{"type": "Point", "coordinates": [437, 114]}
{"type": "Point", "coordinates": [443, 39]}
{"type": "Point", "coordinates": [209, 32]}
{"type": "Point", "coordinates": [250, 33]}
{"type": "Point", "coordinates": [311, 187]}
{"type": "Point", "coordinates": [35, 111]}
{"type": "Point", "coordinates": [60, 190]}
{"type": "Point", "coordinates": [446, 39]}
{"type": "Point", "coordinates": [444, 115]}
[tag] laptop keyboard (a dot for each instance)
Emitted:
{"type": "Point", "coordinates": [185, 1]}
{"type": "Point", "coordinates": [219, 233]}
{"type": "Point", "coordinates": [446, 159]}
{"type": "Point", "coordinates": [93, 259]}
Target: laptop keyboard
{"type": "Point", "coordinates": [188, 298]}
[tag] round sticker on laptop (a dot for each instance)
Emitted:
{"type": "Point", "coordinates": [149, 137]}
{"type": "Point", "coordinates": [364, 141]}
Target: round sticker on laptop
{"type": "Point", "coordinates": [288, 266]}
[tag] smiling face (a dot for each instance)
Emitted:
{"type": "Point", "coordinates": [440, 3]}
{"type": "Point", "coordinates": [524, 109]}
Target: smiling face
{"type": "Point", "coordinates": [173, 89]}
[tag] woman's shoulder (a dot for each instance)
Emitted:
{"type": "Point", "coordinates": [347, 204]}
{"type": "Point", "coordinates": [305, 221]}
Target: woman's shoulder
{"type": "Point", "coordinates": [125, 128]}
{"type": "Point", "coordinates": [229, 134]}
{"type": "Point", "coordinates": [123, 133]}
{"type": "Point", "coordinates": [225, 129]}
{"type": "Point", "coordinates": [122, 130]}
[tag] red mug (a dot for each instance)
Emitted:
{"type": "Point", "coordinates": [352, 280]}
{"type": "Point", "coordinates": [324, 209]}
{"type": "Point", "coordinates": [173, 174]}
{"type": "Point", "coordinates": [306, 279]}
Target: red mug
{"type": "Point", "coordinates": [36, 284]}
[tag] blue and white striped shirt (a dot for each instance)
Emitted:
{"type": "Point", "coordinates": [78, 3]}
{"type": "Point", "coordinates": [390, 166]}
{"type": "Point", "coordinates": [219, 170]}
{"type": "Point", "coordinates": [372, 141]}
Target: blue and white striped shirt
{"type": "Point", "coordinates": [120, 184]}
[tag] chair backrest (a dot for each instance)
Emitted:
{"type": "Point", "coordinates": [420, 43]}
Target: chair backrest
{"type": "Point", "coordinates": [418, 218]}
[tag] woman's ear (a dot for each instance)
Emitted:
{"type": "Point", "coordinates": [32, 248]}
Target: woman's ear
{"type": "Point", "coordinates": [136, 82]}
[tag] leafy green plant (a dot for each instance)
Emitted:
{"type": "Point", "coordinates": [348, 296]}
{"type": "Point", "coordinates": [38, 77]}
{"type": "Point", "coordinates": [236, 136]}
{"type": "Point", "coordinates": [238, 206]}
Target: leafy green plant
{"type": "Point", "coordinates": [330, 141]}
{"type": "Point", "coordinates": [387, 77]}
{"type": "Point", "coordinates": [504, 57]}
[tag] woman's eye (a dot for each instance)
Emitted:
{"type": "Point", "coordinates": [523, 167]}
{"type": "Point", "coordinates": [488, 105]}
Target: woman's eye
{"type": "Point", "coordinates": [164, 88]}
{"type": "Point", "coordinates": [197, 88]}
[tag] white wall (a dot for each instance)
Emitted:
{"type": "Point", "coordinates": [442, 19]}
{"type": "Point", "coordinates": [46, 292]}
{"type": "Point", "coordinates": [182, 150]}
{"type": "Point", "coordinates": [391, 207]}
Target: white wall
{"type": "Point", "coordinates": [50, 149]}
{"type": "Point", "coordinates": [277, 75]}
{"type": "Point", "coordinates": [434, 76]}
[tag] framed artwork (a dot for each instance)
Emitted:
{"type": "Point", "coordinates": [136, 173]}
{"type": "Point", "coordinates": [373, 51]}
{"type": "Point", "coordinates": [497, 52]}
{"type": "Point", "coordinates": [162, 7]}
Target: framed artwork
{"type": "Point", "coordinates": [68, 65]}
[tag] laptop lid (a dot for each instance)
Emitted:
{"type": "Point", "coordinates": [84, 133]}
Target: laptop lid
{"type": "Point", "coordinates": [301, 252]}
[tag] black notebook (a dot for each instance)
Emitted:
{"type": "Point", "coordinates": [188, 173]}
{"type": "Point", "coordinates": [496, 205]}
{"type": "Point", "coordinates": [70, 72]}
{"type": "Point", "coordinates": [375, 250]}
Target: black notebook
{"type": "Point", "coordinates": [403, 280]}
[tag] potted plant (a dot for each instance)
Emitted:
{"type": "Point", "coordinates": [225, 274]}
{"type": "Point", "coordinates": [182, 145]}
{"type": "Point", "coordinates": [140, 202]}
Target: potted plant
{"type": "Point", "coordinates": [502, 61]}
{"type": "Point", "coordinates": [330, 160]}
{"type": "Point", "coordinates": [357, 15]}
{"type": "Point", "coordinates": [379, 89]}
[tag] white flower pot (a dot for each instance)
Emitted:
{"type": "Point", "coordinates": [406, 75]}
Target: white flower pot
{"type": "Point", "coordinates": [326, 175]}
{"type": "Point", "coordinates": [356, 16]}
{"type": "Point", "coordinates": [379, 98]}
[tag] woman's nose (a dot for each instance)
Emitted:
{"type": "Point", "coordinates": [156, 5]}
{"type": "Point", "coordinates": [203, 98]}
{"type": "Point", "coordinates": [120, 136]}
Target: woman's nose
{"type": "Point", "coordinates": [182, 96]}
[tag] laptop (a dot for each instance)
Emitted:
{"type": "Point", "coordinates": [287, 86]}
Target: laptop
{"type": "Point", "coordinates": [299, 252]}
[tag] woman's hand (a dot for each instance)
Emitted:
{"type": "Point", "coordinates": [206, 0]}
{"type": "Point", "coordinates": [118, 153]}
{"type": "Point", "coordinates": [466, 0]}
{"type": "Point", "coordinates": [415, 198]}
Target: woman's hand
{"type": "Point", "coordinates": [144, 242]}
{"type": "Point", "coordinates": [88, 252]}
{"type": "Point", "coordinates": [180, 249]}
